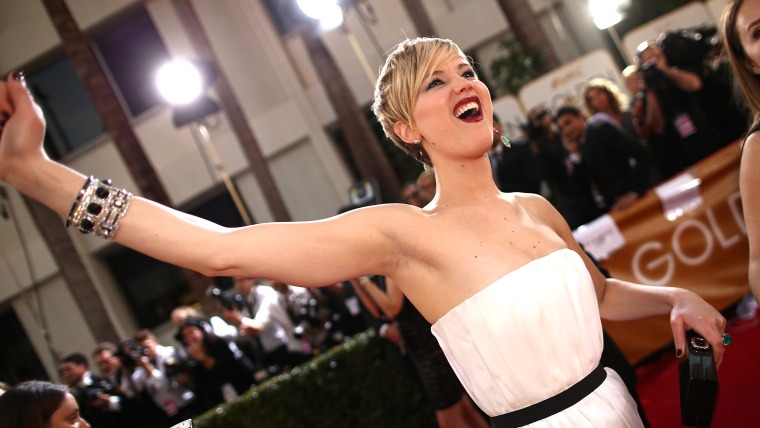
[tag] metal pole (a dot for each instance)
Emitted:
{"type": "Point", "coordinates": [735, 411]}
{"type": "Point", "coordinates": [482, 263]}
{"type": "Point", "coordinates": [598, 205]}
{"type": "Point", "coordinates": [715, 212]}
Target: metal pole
{"type": "Point", "coordinates": [217, 161]}
{"type": "Point", "coordinates": [360, 55]}
{"type": "Point", "coordinates": [619, 44]}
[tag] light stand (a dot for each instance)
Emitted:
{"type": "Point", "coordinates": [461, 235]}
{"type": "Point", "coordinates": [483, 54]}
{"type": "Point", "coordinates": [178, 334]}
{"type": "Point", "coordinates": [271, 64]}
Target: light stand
{"type": "Point", "coordinates": [606, 14]}
{"type": "Point", "coordinates": [182, 86]}
{"type": "Point", "coordinates": [199, 129]}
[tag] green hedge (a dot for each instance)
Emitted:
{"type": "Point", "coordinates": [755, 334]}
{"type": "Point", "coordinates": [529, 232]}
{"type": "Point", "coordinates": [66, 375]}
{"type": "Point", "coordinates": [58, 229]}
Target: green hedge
{"type": "Point", "coordinates": [362, 383]}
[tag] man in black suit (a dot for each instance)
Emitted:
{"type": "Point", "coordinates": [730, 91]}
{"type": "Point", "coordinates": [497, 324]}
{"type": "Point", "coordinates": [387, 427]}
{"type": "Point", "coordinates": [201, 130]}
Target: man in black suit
{"type": "Point", "coordinates": [617, 166]}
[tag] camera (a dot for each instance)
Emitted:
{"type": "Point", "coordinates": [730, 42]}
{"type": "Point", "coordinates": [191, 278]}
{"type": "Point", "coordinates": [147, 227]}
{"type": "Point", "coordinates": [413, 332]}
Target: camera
{"type": "Point", "coordinates": [652, 75]}
{"type": "Point", "coordinates": [688, 46]}
{"type": "Point", "coordinates": [307, 317]}
{"type": "Point", "coordinates": [92, 391]}
{"type": "Point", "coordinates": [228, 301]}
{"type": "Point", "coordinates": [129, 352]}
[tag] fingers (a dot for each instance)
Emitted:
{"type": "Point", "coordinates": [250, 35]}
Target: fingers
{"type": "Point", "coordinates": [679, 336]}
{"type": "Point", "coordinates": [710, 328]}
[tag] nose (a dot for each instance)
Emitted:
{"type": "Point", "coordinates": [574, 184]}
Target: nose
{"type": "Point", "coordinates": [463, 84]}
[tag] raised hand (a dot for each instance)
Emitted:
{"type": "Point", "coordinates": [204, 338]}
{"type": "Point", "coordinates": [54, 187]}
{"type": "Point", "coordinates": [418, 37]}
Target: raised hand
{"type": "Point", "coordinates": [22, 126]}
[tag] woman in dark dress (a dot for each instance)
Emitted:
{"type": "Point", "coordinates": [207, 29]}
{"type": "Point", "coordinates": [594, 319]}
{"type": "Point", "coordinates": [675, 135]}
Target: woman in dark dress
{"type": "Point", "coordinates": [452, 406]}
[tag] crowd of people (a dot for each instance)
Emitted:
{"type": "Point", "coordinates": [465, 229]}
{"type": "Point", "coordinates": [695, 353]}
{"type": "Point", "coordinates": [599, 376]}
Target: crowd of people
{"type": "Point", "coordinates": [261, 328]}
{"type": "Point", "coordinates": [603, 156]}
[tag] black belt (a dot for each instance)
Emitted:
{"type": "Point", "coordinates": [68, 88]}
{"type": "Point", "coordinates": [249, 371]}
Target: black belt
{"type": "Point", "coordinates": [552, 405]}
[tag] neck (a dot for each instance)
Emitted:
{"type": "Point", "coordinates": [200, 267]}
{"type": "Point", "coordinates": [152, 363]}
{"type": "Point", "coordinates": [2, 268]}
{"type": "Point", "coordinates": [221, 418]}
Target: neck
{"type": "Point", "coordinates": [463, 181]}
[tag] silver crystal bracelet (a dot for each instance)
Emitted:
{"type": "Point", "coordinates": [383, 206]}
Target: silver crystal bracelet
{"type": "Point", "coordinates": [98, 208]}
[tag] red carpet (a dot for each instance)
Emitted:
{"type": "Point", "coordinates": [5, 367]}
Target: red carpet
{"type": "Point", "coordinates": [739, 378]}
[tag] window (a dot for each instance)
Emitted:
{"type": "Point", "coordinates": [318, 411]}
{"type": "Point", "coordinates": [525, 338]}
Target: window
{"type": "Point", "coordinates": [18, 359]}
{"type": "Point", "coordinates": [71, 117]}
{"type": "Point", "coordinates": [153, 288]}
{"type": "Point", "coordinates": [132, 50]}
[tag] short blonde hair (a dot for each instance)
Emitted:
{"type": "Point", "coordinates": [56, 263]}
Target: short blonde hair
{"type": "Point", "coordinates": [400, 81]}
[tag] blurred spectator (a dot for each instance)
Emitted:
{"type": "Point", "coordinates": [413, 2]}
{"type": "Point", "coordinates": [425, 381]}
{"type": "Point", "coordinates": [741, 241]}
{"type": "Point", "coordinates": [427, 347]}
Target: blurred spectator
{"type": "Point", "coordinates": [518, 168]}
{"type": "Point", "coordinates": [265, 319]}
{"type": "Point", "coordinates": [729, 115]}
{"type": "Point", "coordinates": [563, 170]}
{"type": "Point", "coordinates": [309, 311]}
{"type": "Point", "coordinates": [119, 403]}
{"type": "Point", "coordinates": [90, 392]}
{"type": "Point", "coordinates": [669, 114]}
{"type": "Point", "coordinates": [426, 187]}
{"type": "Point", "coordinates": [631, 78]}
{"type": "Point", "coordinates": [158, 370]}
{"type": "Point", "coordinates": [617, 166]}
{"type": "Point", "coordinates": [410, 194]}
{"type": "Point", "coordinates": [218, 325]}
{"type": "Point", "coordinates": [604, 97]}
{"type": "Point", "coordinates": [220, 371]}
{"type": "Point", "coordinates": [494, 153]}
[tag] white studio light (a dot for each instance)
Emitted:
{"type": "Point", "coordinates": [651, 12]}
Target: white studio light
{"type": "Point", "coordinates": [316, 9]}
{"type": "Point", "coordinates": [179, 82]}
{"type": "Point", "coordinates": [331, 18]}
{"type": "Point", "coordinates": [606, 13]}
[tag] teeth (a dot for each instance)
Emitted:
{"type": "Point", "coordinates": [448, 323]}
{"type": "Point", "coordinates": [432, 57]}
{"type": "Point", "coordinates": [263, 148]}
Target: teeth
{"type": "Point", "coordinates": [469, 106]}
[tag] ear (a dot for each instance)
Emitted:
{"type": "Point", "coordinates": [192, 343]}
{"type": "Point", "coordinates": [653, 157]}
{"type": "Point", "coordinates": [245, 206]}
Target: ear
{"type": "Point", "coordinates": [405, 132]}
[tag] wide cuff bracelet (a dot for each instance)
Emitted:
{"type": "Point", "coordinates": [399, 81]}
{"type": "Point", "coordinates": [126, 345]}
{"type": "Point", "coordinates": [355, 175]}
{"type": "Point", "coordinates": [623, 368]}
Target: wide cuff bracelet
{"type": "Point", "coordinates": [98, 208]}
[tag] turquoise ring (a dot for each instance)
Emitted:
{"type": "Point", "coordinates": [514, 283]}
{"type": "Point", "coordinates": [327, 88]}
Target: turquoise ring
{"type": "Point", "coordinates": [727, 339]}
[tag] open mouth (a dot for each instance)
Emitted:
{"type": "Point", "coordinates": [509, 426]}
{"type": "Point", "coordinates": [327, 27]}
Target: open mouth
{"type": "Point", "coordinates": [468, 110]}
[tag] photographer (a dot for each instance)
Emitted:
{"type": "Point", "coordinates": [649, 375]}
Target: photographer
{"type": "Point", "coordinates": [120, 404]}
{"type": "Point", "coordinates": [263, 318]}
{"type": "Point", "coordinates": [155, 372]}
{"type": "Point", "coordinates": [308, 310]}
{"type": "Point", "coordinates": [667, 111]}
{"type": "Point", "coordinates": [220, 370]}
{"type": "Point", "coordinates": [92, 393]}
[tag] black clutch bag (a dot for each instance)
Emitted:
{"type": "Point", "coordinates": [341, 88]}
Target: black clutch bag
{"type": "Point", "coordinates": [699, 382]}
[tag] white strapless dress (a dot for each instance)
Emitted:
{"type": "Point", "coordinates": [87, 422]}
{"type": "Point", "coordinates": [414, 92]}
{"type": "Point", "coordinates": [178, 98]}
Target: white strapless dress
{"type": "Point", "coordinates": [529, 336]}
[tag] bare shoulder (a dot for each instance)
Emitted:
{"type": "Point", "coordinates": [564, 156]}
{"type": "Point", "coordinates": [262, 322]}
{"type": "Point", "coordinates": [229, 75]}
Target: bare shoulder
{"type": "Point", "coordinates": [535, 204]}
{"type": "Point", "coordinates": [542, 211]}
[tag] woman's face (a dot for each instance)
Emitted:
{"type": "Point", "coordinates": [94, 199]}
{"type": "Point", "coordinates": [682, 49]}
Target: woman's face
{"type": "Point", "coordinates": [67, 415]}
{"type": "Point", "coordinates": [748, 29]}
{"type": "Point", "coordinates": [192, 335]}
{"type": "Point", "coordinates": [453, 105]}
{"type": "Point", "coordinates": [598, 100]}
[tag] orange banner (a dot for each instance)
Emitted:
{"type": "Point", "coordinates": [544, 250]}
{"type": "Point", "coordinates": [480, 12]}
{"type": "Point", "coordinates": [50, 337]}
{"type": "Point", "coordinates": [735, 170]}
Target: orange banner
{"type": "Point", "coordinates": [688, 232]}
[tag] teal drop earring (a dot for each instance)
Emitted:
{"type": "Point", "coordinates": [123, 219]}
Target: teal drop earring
{"type": "Point", "coordinates": [504, 139]}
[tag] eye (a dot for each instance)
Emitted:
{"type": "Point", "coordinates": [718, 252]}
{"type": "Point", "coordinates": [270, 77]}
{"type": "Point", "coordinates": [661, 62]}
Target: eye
{"type": "Point", "coordinates": [435, 82]}
{"type": "Point", "coordinates": [470, 74]}
{"type": "Point", "coordinates": [756, 33]}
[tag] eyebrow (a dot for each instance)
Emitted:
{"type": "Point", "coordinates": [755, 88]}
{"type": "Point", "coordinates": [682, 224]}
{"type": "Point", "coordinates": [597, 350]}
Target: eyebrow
{"type": "Point", "coordinates": [459, 67]}
{"type": "Point", "coordinates": [752, 24]}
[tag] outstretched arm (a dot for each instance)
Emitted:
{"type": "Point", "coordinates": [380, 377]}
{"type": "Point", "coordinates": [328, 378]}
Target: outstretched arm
{"type": "Point", "coordinates": [307, 253]}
